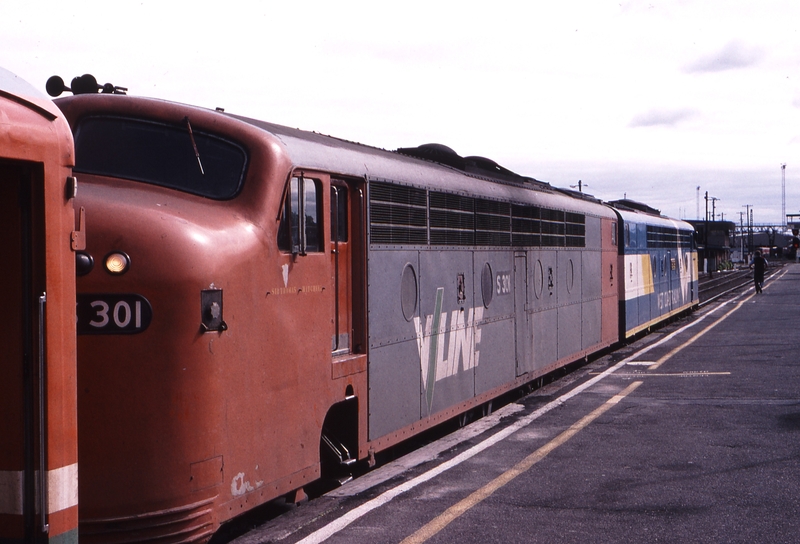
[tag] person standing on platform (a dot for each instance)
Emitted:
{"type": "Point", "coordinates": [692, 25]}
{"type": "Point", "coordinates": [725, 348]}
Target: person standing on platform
{"type": "Point", "coordinates": [759, 266]}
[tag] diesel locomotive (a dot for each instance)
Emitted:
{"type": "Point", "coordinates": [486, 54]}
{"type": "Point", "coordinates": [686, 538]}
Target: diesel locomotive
{"type": "Point", "coordinates": [257, 304]}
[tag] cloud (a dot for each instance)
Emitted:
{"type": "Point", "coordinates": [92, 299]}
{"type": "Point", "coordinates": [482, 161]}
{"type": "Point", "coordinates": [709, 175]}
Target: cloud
{"type": "Point", "coordinates": [662, 117]}
{"type": "Point", "coordinates": [733, 56]}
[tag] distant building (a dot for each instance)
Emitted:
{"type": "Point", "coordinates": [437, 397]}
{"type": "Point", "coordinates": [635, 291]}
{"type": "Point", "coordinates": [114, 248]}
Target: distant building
{"type": "Point", "coordinates": [772, 242]}
{"type": "Point", "coordinates": [714, 244]}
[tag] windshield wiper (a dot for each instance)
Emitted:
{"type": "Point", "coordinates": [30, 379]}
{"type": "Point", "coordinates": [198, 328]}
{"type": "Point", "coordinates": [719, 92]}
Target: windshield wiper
{"type": "Point", "coordinates": [194, 145]}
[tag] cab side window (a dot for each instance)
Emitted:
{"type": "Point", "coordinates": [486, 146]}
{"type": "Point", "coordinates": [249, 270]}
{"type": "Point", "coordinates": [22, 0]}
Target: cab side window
{"type": "Point", "coordinates": [338, 213]}
{"type": "Point", "coordinates": [300, 229]}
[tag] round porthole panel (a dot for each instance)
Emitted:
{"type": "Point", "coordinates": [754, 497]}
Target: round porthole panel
{"type": "Point", "coordinates": [408, 292]}
{"type": "Point", "coordinates": [487, 284]}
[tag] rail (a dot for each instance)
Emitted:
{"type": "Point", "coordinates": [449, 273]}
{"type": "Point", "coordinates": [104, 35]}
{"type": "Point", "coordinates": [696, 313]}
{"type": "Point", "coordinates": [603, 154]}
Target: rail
{"type": "Point", "coordinates": [714, 286]}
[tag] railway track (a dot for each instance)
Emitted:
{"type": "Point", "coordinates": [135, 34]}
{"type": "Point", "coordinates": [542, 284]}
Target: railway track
{"type": "Point", "coordinates": [713, 287]}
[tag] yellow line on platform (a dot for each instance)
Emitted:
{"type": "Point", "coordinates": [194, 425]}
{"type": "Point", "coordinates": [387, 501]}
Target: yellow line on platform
{"type": "Point", "coordinates": [452, 513]}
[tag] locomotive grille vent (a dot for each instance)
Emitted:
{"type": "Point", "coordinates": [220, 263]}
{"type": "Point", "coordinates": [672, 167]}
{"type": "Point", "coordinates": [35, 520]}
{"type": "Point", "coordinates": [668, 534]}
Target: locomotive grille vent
{"type": "Point", "coordinates": [493, 223]}
{"type": "Point", "coordinates": [665, 237]}
{"type": "Point", "coordinates": [526, 226]}
{"type": "Point", "coordinates": [452, 219]}
{"type": "Point", "coordinates": [398, 214]}
{"type": "Point", "coordinates": [575, 229]}
{"type": "Point", "coordinates": [553, 228]}
{"type": "Point", "coordinates": [404, 215]}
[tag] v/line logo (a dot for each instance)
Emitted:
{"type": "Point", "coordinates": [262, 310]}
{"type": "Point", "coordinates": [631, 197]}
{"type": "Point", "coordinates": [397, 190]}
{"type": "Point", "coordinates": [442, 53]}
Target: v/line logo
{"type": "Point", "coordinates": [462, 343]}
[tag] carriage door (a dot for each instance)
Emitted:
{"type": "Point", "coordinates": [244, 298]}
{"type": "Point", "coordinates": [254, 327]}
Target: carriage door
{"type": "Point", "coordinates": [21, 397]}
{"type": "Point", "coordinates": [522, 329]}
{"type": "Point", "coordinates": [346, 203]}
{"type": "Point", "coordinates": [342, 270]}
{"type": "Point", "coordinates": [668, 264]}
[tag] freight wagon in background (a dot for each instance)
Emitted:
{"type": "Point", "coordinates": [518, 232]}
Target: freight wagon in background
{"type": "Point", "coordinates": [259, 306]}
{"type": "Point", "coordinates": [38, 406]}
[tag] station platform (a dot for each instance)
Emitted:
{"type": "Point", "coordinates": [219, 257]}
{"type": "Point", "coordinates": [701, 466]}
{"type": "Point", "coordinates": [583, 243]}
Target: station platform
{"type": "Point", "coordinates": [690, 434]}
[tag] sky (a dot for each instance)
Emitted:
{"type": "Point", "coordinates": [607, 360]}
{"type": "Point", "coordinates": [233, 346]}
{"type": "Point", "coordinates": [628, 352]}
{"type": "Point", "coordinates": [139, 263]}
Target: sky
{"type": "Point", "coordinates": [654, 101]}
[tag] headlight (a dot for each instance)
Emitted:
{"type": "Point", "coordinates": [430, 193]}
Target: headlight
{"type": "Point", "coordinates": [117, 263]}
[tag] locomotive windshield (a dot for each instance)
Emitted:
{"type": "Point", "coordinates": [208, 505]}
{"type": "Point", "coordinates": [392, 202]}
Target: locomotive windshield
{"type": "Point", "coordinates": [171, 156]}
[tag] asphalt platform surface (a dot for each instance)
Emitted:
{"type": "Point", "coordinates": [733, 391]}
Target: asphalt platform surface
{"type": "Point", "coordinates": [690, 434]}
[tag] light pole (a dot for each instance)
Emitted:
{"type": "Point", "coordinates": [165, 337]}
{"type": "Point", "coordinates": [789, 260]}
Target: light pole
{"type": "Point", "coordinates": [749, 216]}
{"type": "Point", "coordinates": [741, 235]}
{"type": "Point", "coordinates": [714, 208]}
{"type": "Point", "coordinates": [783, 194]}
{"type": "Point", "coordinates": [698, 203]}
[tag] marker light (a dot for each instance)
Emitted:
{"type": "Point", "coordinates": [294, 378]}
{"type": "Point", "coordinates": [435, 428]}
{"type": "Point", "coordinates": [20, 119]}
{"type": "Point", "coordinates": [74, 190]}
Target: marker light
{"type": "Point", "coordinates": [83, 263]}
{"type": "Point", "coordinates": [117, 263]}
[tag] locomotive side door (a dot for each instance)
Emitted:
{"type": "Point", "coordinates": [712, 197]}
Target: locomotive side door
{"type": "Point", "coordinates": [522, 329]}
{"type": "Point", "coordinates": [344, 430]}
{"type": "Point", "coordinates": [346, 247]}
{"type": "Point", "coordinates": [342, 270]}
{"type": "Point", "coordinates": [671, 275]}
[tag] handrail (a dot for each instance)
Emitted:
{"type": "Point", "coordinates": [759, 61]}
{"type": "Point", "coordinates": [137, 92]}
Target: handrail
{"type": "Point", "coordinates": [43, 499]}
